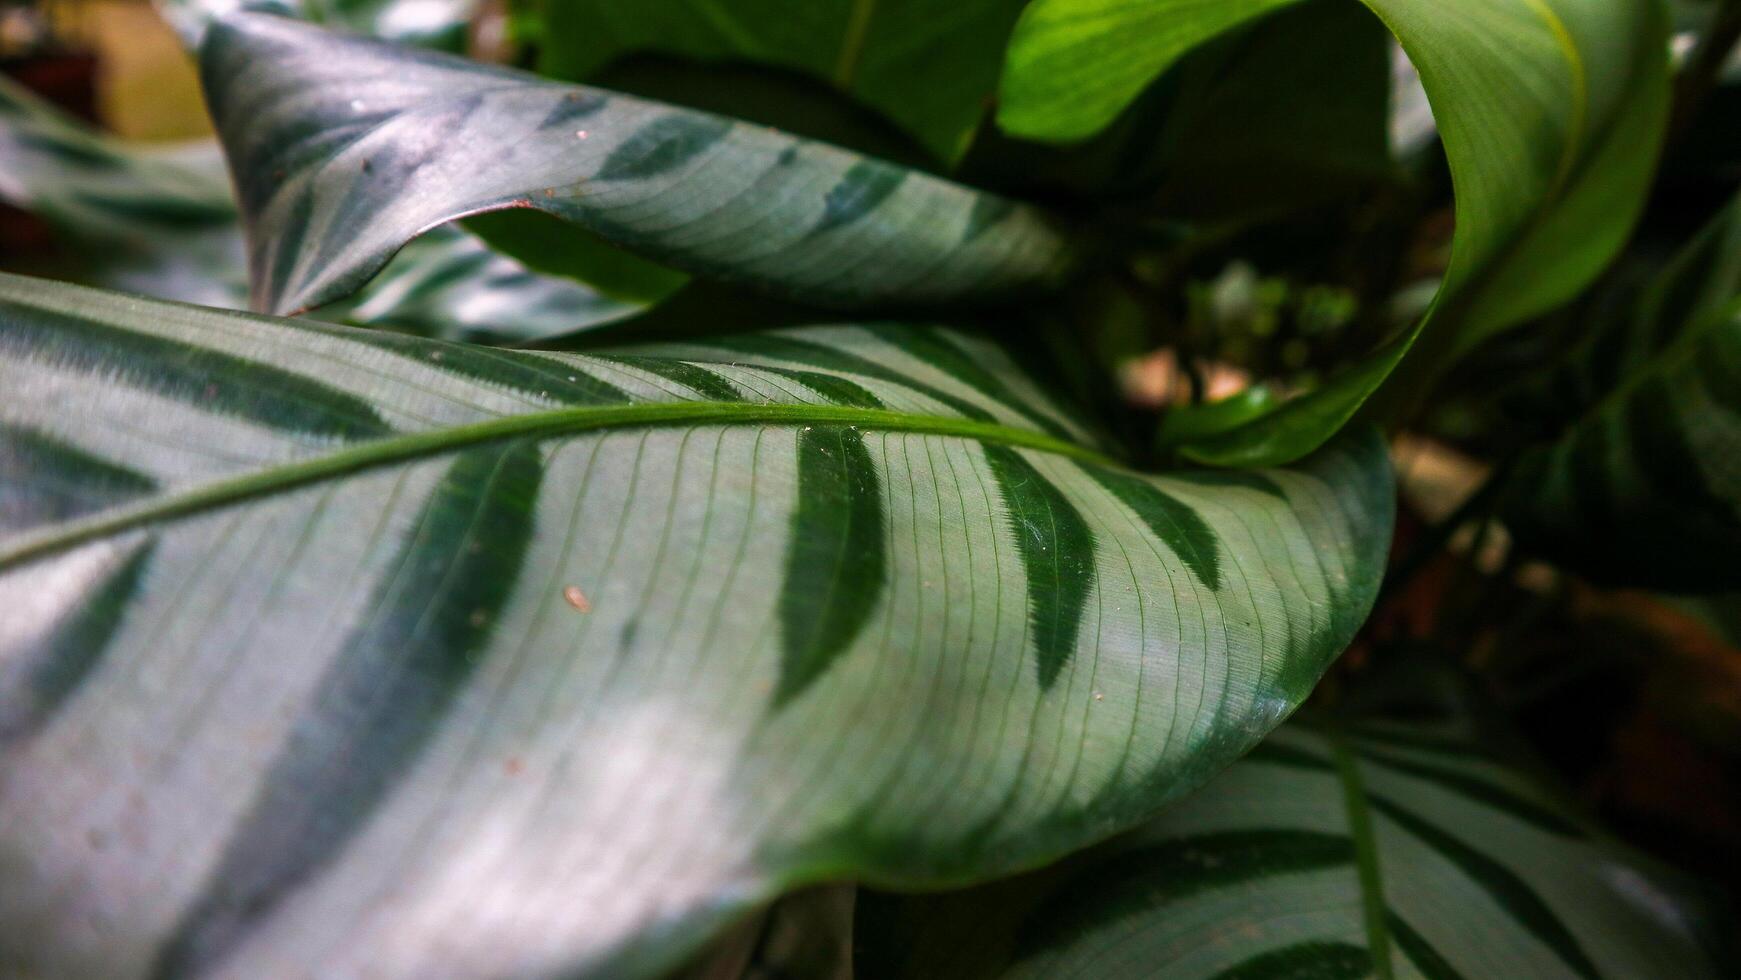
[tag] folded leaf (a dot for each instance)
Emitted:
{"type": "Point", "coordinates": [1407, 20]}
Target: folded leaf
{"type": "Point", "coordinates": [164, 224]}
{"type": "Point", "coordinates": [931, 68]}
{"type": "Point", "coordinates": [376, 654]}
{"type": "Point", "coordinates": [1551, 112]}
{"type": "Point", "coordinates": [1396, 852]}
{"type": "Point", "coordinates": [345, 148]}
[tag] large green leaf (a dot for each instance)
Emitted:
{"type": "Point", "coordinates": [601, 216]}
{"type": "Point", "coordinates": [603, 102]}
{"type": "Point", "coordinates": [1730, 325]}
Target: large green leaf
{"type": "Point", "coordinates": [164, 224]}
{"type": "Point", "coordinates": [931, 68]}
{"type": "Point", "coordinates": [1551, 112]}
{"type": "Point", "coordinates": [1644, 487]}
{"type": "Point", "coordinates": [1391, 852]}
{"type": "Point", "coordinates": [342, 648]}
{"type": "Point", "coordinates": [346, 148]}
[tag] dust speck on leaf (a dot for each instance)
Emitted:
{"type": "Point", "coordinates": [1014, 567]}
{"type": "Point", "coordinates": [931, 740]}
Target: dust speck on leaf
{"type": "Point", "coordinates": [577, 598]}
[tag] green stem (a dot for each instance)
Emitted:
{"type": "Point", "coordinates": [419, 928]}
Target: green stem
{"type": "Point", "coordinates": [560, 422]}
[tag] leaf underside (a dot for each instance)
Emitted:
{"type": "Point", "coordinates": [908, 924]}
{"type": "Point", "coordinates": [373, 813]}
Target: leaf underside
{"type": "Point", "coordinates": [330, 647]}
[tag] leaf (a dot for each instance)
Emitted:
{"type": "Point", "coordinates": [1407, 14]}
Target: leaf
{"type": "Point", "coordinates": [142, 222]}
{"type": "Point", "coordinates": [1642, 488]}
{"type": "Point", "coordinates": [164, 224]}
{"type": "Point", "coordinates": [346, 148]}
{"type": "Point", "coordinates": [1551, 112]}
{"type": "Point", "coordinates": [930, 68]}
{"type": "Point", "coordinates": [375, 654]}
{"type": "Point", "coordinates": [1394, 851]}
{"type": "Point", "coordinates": [439, 24]}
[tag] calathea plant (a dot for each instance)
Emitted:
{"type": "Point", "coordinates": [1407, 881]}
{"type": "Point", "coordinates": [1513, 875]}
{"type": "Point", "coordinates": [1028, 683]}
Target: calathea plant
{"type": "Point", "coordinates": [622, 539]}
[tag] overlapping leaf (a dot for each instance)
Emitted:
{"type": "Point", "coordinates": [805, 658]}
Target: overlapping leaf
{"type": "Point", "coordinates": [1395, 852]}
{"type": "Point", "coordinates": [1644, 487]}
{"type": "Point", "coordinates": [1551, 113]}
{"type": "Point", "coordinates": [346, 148]}
{"type": "Point", "coordinates": [163, 223]}
{"type": "Point", "coordinates": [439, 24]}
{"type": "Point", "coordinates": [931, 68]}
{"type": "Point", "coordinates": [328, 648]}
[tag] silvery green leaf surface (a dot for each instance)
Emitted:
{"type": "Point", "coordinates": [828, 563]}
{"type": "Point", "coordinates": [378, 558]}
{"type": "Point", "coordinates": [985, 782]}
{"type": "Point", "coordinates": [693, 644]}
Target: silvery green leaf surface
{"type": "Point", "coordinates": [338, 651]}
{"type": "Point", "coordinates": [162, 222]}
{"type": "Point", "coordinates": [346, 148]}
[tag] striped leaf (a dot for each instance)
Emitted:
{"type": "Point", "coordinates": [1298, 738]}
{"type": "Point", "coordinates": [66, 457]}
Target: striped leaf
{"type": "Point", "coordinates": [439, 24]}
{"type": "Point", "coordinates": [363, 653]}
{"type": "Point", "coordinates": [1636, 483]}
{"type": "Point", "coordinates": [1392, 852]}
{"type": "Point", "coordinates": [346, 148]}
{"type": "Point", "coordinates": [164, 224]}
{"type": "Point", "coordinates": [1551, 112]}
{"type": "Point", "coordinates": [930, 68]}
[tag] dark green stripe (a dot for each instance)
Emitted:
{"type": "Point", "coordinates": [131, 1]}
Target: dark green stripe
{"type": "Point", "coordinates": [1491, 794]}
{"type": "Point", "coordinates": [832, 359]}
{"type": "Point", "coordinates": [1173, 522]}
{"type": "Point", "coordinates": [835, 566]}
{"type": "Point", "coordinates": [529, 374]}
{"type": "Point", "coordinates": [1222, 479]}
{"type": "Point", "coordinates": [988, 210]}
{"type": "Point", "coordinates": [286, 247]}
{"type": "Point", "coordinates": [572, 107]}
{"type": "Point", "coordinates": [36, 679]}
{"type": "Point", "coordinates": [663, 145]}
{"type": "Point", "coordinates": [206, 379]}
{"type": "Point", "coordinates": [1144, 879]}
{"type": "Point", "coordinates": [44, 481]}
{"type": "Point", "coordinates": [865, 185]}
{"type": "Point", "coordinates": [1057, 552]}
{"type": "Point", "coordinates": [1421, 953]}
{"type": "Point", "coordinates": [381, 701]}
{"type": "Point", "coordinates": [710, 386]}
{"type": "Point", "coordinates": [833, 389]}
{"type": "Point", "coordinates": [1507, 889]}
{"type": "Point", "coordinates": [932, 347]}
{"type": "Point", "coordinates": [1304, 961]}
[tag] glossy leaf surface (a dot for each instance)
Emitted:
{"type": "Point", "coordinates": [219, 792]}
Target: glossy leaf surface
{"type": "Point", "coordinates": [341, 649]}
{"type": "Point", "coordinates": [1551, 113]}
{"type": "Point", "coordinates": [163, 223]}
{"type": "Point", "coordinates": [1392, 852]}
{"type": "Point", "coordinates": [346, 148]}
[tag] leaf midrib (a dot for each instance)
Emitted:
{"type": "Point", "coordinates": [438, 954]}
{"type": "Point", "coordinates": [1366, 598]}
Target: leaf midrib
{"type": "Point", "coordinates": [357, 457]}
